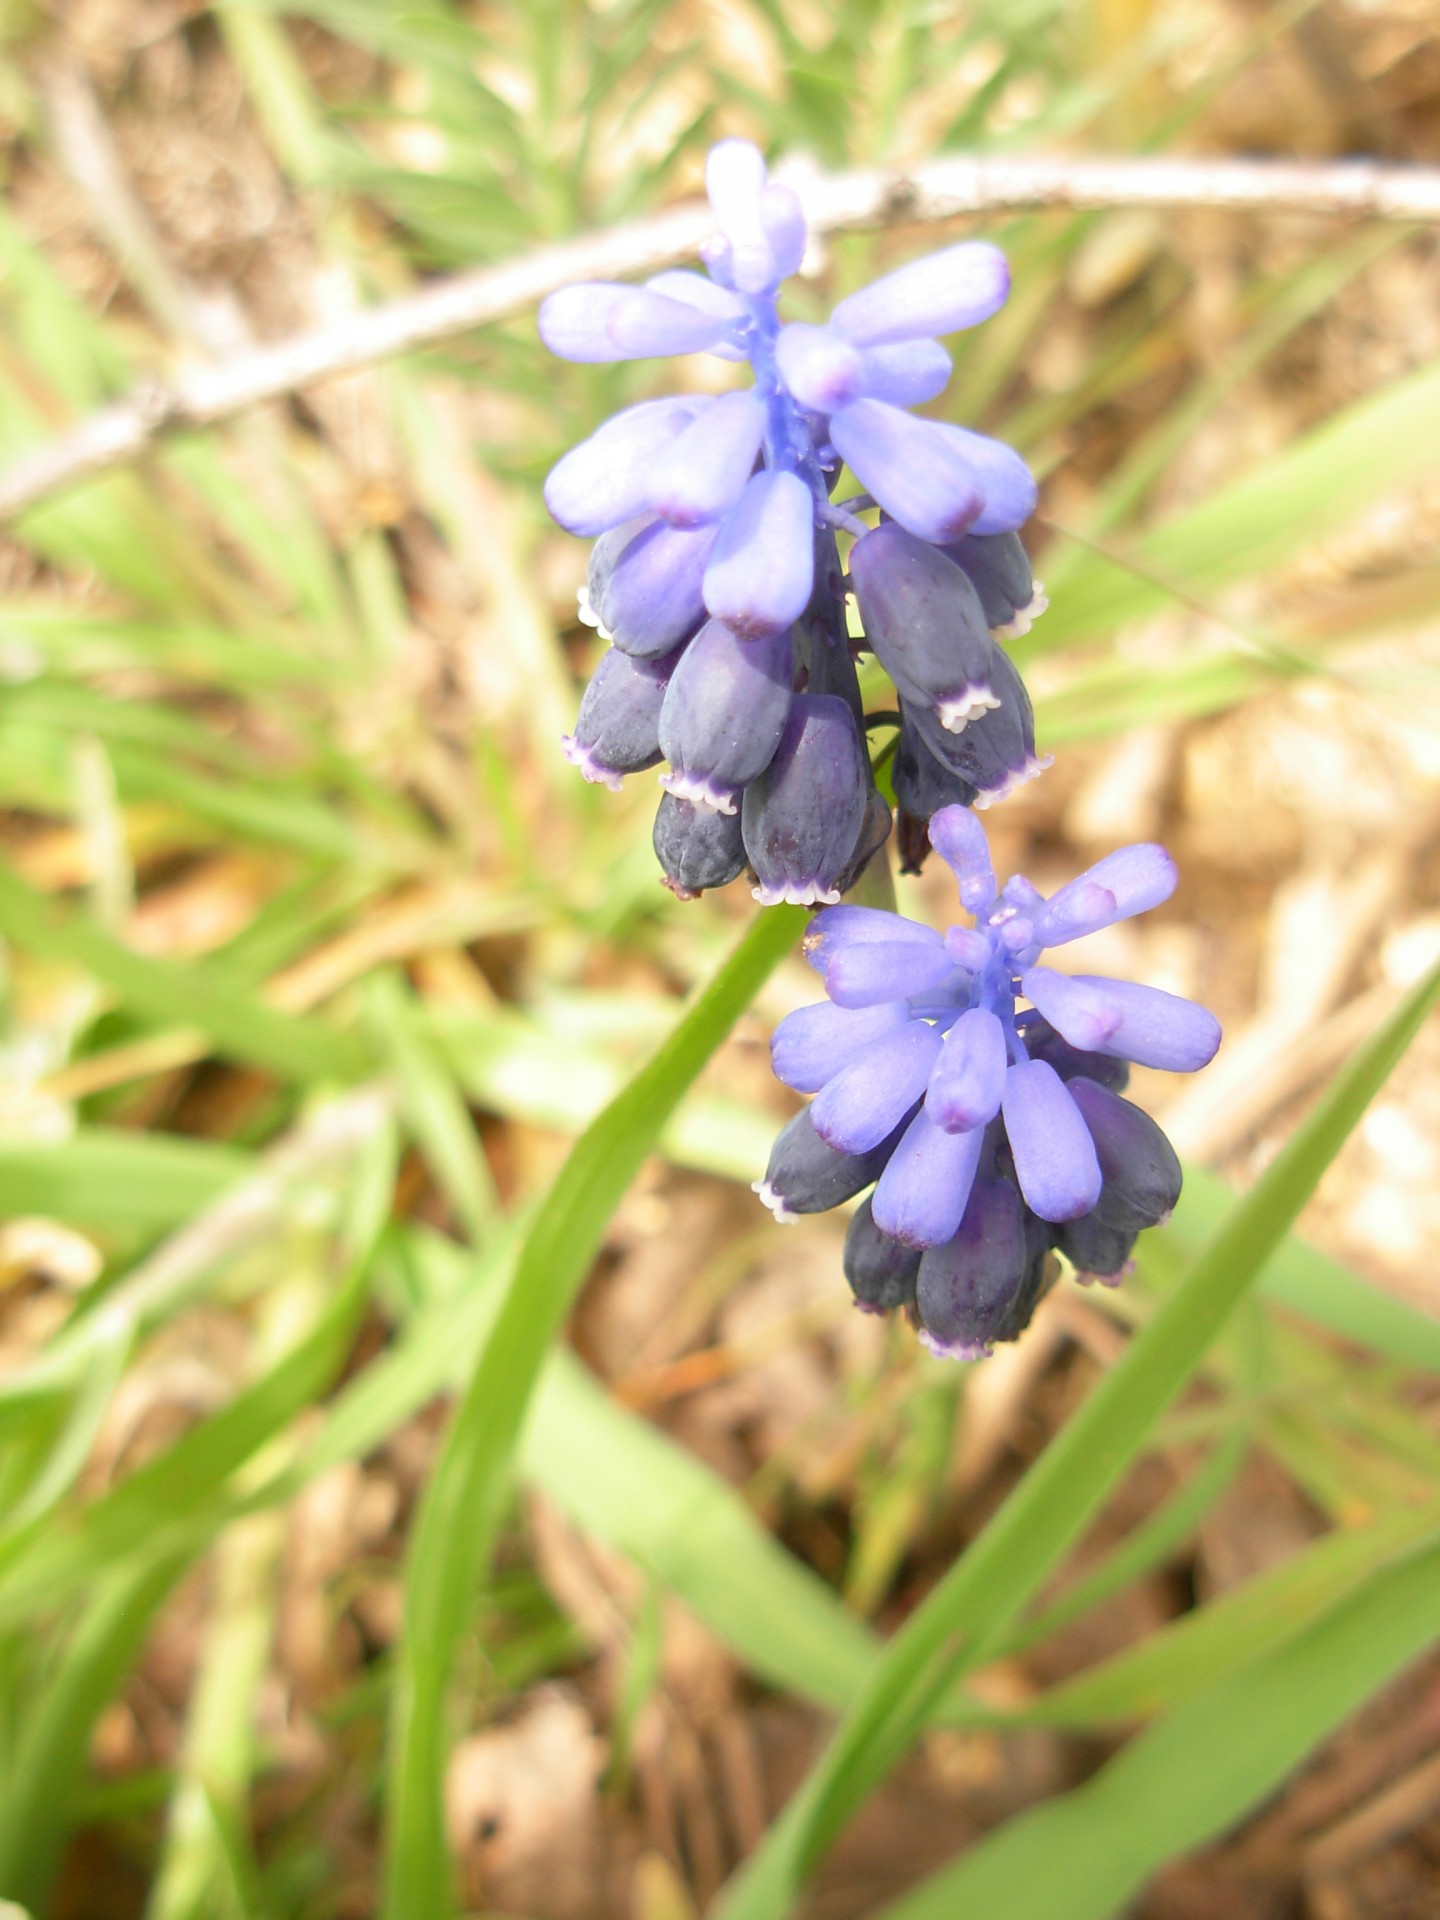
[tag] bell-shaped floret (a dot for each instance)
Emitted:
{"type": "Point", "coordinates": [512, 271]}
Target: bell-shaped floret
{"type": "Point", "coordinates": [923, 788]}
{"type": "Point", "coordinates": [735, 182]}
{"type": "Point", "coordinates": [617, 731]}
{"type": "Point", "coordinates": [996, 752]}
{"type": "Point", "coordinates": [1097, 1250]}
{"type": "Point", "coordinates": [971, 1291]}
{"type": "Point", "coordinates": [969, 1076]}
{"type": "Point", "coordinates": [762, 570]}
{"type": "Point", "coordinates": [645, 585]}
{"type": "Point", "coordinates": [1143, 1024]}
{"type": "Point", "coordinates": [866, 1100]}
{"type": "Point", "coordinates": [724, 713]}
{"type": "Point", "coordinates": [1129, 881]}
{"type": "Point", "coordinates": [908, 373]}
{"type": "Point", "coordinates": [959, 839]}
{"type": "Point", "coordinates": [604, 322]}
{"type": "Point", "coordinates": [802, 816]}
{"type": "Point", "coordinates": [1055, 1161]}
{"type": "Point", "coordinates": [812, 1044]}
{"type": "Point", "coordinates": [805, 1175]}
{"type": "Point", "coordinates": [782, 219]}
{"type": "Point", "coordinates": [697, 848]}
{"type": "Point", "coordinates": [606, 479]}
{"type": "Point", "coordinates": [955, 288]}
{"type": "Point", "coordinates": [702, 472]}
{"type": "Point", "coordinates": [881, 1272]}
{"type": "Point", "coordinates": [924, 621]}
{"type": "Point", "coordinates": [922, 1193]}
{"type": "Point", "coordinates": [821, 370]}
{"type": "Point", "coordinates": [1140, 1167]}
{"type": "Point", "coordinates": [909, 466]}
{"type": "Point", "coordinates": [999, 570]}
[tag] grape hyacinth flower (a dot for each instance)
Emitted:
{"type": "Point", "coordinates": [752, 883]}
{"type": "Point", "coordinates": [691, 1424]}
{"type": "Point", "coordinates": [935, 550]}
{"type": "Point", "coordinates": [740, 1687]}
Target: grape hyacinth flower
{"type": "Point", "coordinates": [993, 1136]}
{"type": "Point", "coordinates": [716, 574]}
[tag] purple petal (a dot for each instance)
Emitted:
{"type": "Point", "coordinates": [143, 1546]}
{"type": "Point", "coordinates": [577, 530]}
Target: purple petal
{"type": "Point", "coordinates": [617, 731]}
{"type": "Point", "coordinates": [735, 182]}
{"type": "Point", "coordinates": [1055, 1161]}
{"type": "Point", "coordinates": [607, 322]}
{"type": "Point", "coordinates": [924, 622]}
{"type": "Point", "coordinates": [1002, 479]}
{"type": "Point", "coordinates": [763, 568]}
{"type": "Point", "coordinates": [702, 474]}
{"type": "Point", "coordinates": [1126, 1020]}
{"type": "Point", "coordinates": [921, 1198]}
{"type": "Point", "coordinates": [958, 287]}
{"type": "Point", "coordinates": [1131, 880]}
{"type": "Point", "coordinates": [959, 839]}
{"type": "Point", "coordinates": [908, 373]}
{"type": "Point", "coordinates": [724, 713]}
{"type": "Point", "coordinates": [783, 219]}
{"type": "Point", "coordinates": [868, 1099]}
{"type": "Point", "coordinates": [969, 1076]}
{"type": "Point", "coordinates": [606, 479]}
{"type": "Point", "coordinates": [697, 848]}
{"type": "Point", "coordinates": [821, 370]}
{"type": "Point", "coordinates": [811, 1045]}
{"type": "Point", "coordinates": [908, 465]}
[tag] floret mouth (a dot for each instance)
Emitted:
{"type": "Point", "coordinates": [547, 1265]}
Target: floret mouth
{"type": "Point", "coordinates": [957, 711]}
{"type": "Point", "coordinates": [776, 1202]}
{"type": "Point", "coordinates": [955, 1349]}
{"type": "Point", "coordinates": [699, 791]}
{"type": "Point", "coordinates": [593, 769]}
{"type": "Point", "coordinates": [1034, 765]}
{"type": "Point", "coordinates": [797, 893]}
{"type": "Point", "coordinates": [1023, 618]}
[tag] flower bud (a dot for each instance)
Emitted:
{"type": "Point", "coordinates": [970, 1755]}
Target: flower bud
{"type": "Point", "coordinates": [1141, 1169]}
{"type": "Point", "coordinates": [908, 373]}
{"type": "Point", "coordinates": [601, 322]}
{"type": "Point", "coordinates": [697, 848]}
{"type": "Point", "coordinates": [958, 287]}
{"type": "Point", "coordinates": [1055, 1162]}
{"type": "Point", "coordinates": [999, 571]}
{"type": "Point", "coordinates": [1143, 1024]}
{"type": "Point", "coordinates": [702, 472]}
{"type": "Point", "coordinates": [762, 570]}
{"type": "Point", "coordinates": [606, 479]}
{"type": "Point", "coordinates": [802, 816]}
{"type": "Point", "coordinates": [823, 371]}
{"type": "Point", "coordinates": [917, 475]}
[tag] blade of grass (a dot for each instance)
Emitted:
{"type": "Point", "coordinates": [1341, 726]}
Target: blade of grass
{"type": "Point", "coordinates": [463, 1503]}
{"type": "Point", "coordinates": [962, 1617]}
{"type": "Point", "coordinates": [1083, 1855]}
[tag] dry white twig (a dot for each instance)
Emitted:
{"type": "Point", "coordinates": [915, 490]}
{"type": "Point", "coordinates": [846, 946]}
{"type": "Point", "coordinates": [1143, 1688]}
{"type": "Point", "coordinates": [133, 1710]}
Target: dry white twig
{"type": "Point", "coordinates": [943, 190]}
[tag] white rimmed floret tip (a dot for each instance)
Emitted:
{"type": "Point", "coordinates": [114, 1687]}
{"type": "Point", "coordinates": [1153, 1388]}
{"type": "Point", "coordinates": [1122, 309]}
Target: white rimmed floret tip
{"type": "Point", "coordinates": [699, 792]}
{"type": "Point", "coordinates": [1034, 766]}
{"type": "Point", "coordinates": [956, 713]}
{"type": "Point", "coordinates": [583, 757]}
{"type": "Point", "coordinates": [775, 1202]}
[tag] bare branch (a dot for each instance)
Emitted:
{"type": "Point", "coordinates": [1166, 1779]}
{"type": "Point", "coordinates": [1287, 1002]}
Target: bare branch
{"type": "Point", "coordinates": [943, 190]}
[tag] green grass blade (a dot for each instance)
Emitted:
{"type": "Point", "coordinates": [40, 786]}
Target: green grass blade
{"type": "Point", "coordinates": [463, 1502]}
{"type": "Point", "coordinates": [142, 1182]}
{"type": "Point", "coordinates": [1196, 1772]}
{"type": "Point", "coordinates": [1064, 1489]}
{"type": "Point", "coordinates": [239, 1024]}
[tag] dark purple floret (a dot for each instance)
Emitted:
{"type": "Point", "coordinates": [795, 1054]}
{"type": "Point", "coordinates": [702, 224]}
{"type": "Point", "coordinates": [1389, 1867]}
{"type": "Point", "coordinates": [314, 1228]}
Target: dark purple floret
{"type": "Point", "coordinates": [806, 1176]}
{"type": "Point", "coordinates": [617, 731]}
{"type": "Point", "coordinates": [1095, 1249]}
{"type": "Point", "coordinates": [999, 570]}
{"type": "Point", "coordinates": [803, 815]}
{"type": "Point", "coordinates": [1141, 1169]}
{"type": "Point", "coordinates": [983, 1285]}
{"type": "Point", "coordinates": [925, 623]}
{"type": "Point", "coordinates": [724, 712]}
{"type": "Point", "coordinates": [881, 1272]}
{"type": "Point", "coordinates": [697, 848]}
{"type": "Point", "coordinates": [996, 751]}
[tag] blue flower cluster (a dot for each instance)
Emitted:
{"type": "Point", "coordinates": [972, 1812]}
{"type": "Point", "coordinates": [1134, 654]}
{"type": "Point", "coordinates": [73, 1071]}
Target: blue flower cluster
{"type": "Point", "coordinates": [717, 578]}
{"type": "Point", "coordinates": [993, 1136]}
